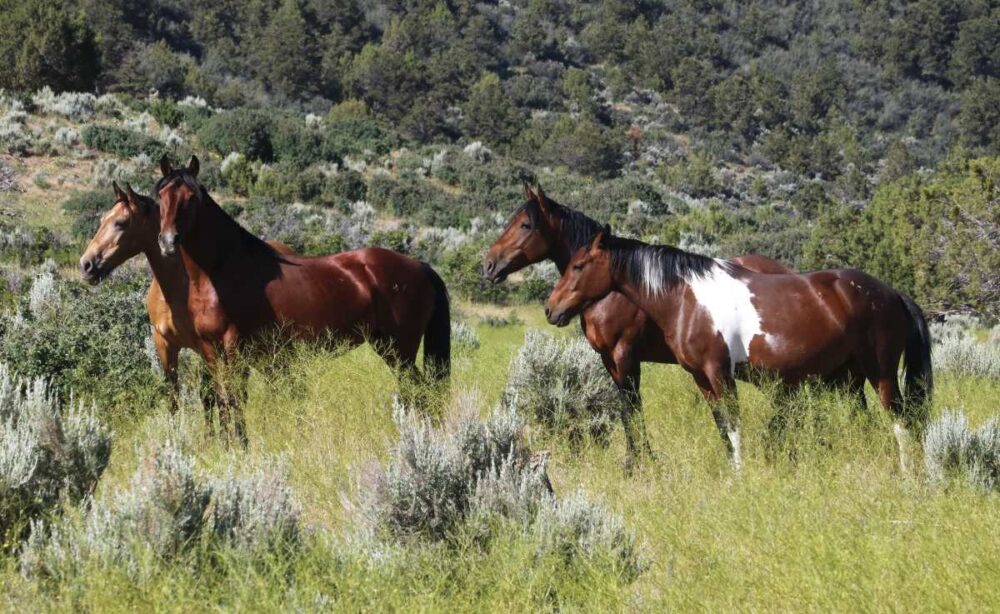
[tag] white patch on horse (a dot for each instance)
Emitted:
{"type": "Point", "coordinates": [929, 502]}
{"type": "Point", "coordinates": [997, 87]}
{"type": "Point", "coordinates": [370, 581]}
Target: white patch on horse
{"type": "Point", "coordinates": [652, 274]}
{"type": "Point", "coordinates": [729, 303]}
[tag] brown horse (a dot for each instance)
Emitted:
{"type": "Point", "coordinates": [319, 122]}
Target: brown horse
{"type": "Point", "coordinates": [722, 321]}
{"type": "Point", "coordinates": [623, 335]}
{"type": "Point", "coordinates": [129, 228]}
{"type": "Point", "coordinates": [240, 288]}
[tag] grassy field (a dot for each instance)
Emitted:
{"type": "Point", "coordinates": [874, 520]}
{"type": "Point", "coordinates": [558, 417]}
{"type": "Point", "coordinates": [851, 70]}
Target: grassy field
{"type": "Point", "coordinates": [820, 518]}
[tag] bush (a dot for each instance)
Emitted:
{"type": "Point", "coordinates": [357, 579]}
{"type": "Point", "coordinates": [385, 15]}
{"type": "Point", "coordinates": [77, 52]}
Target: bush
{"type": "Point", "coordinates": [957, 350]}
{"type": "Point", "coordinates": [86, 209]}
{"type": "Point", "coordinates": [475, 478]}
{"type": "Point", "coordinates": [348, 185]}
{"type": "Point", "coordinates": [356, 136]}
{"type": "Point", "coordinates": [563, 385]}
{"type": "Point", "coordinates": [88, 340]}
{"type": "Point", "coordinates": [498, 321]}
{"type": "Point", "coordinates": [45, 458]}
{"type": "Point", "coordinates": [464, 337]}
{"type": "Point", "coordinates": [122, 142]}
{"type": "Point", "coordinates": [427, 487]}
{"type": "Point", "coordinates": [167, 512]}
{"type": "Point", "coordinates": [953, 451]}
{"type": "Point", "coordinates": [243, 131]}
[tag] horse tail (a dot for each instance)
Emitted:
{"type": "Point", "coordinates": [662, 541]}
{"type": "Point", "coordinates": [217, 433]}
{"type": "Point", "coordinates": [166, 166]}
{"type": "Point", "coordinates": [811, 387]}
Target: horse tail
{"type": "Point", "coordinates": [917, 371]}
{"type": "Point", "coordinates": [437, 335]}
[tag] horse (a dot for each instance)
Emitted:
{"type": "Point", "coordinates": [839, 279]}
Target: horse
{"type": "Point", "coordinates": [722, 321]}
{"type": "Point", "coordinates": [130, 227]}
{"type": "Point", "coordinates": [239, 288]}
{"type": "Point", "coordinates": [622, 334]}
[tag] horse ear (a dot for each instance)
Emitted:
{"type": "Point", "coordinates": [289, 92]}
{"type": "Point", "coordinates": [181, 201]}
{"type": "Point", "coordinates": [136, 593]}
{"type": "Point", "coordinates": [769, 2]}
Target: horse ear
{"type": "Point", "coordinates": [527, 191]}
{"type": "Point", "coordinates": [600, 240]}
{"type": "Point", "coordinates": [165, 167]}
{"type": "Point", "coordinates": [119, 194]}
{"type": "Point", "coordinates": [133, 198]}
{"type": "Point", "coordinates": [540, 194]}
{"type": "Point", "coordinates": [193, 166]}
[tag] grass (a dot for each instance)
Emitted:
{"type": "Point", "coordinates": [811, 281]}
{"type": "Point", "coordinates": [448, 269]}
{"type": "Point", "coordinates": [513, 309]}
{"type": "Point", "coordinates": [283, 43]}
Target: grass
{"type": "Point", "coordinates": [819, 519]}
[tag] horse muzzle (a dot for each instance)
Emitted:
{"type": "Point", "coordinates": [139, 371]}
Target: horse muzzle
{"type": "Point", "coordinates": [558, 318]}
{"type": "Point", "coordinates": [91, 270]}
{"type": "Point", "coordinates": [168, 243]}
{"type": "Point", "coordinates": [495, 271]}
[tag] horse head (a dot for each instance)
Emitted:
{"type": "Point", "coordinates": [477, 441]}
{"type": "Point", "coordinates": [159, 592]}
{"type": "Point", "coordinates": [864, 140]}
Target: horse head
{"type": "Point", "coordinates": [587, 278]}
{"type": "Point", "coordinates": [180, 197]}
{"type": "Point", "coordinates": [527, 239]}
{"type": "Point", "coordinates": [126, 229]}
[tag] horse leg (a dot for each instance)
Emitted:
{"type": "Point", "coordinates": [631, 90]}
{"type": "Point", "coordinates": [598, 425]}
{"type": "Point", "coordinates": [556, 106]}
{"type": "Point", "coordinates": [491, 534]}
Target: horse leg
{"type": "Point", "coordinates": [167, 353]}
{"type": "Point", "coordinates": [627, 373]}
{"type": "Point", "coordinates": [719, 388]}
{"type": "Point", "coordinates": [892, 400]}
{"type": "Point", "coordinates": [402, 359]}
{"type": "Point", "coordinates": [209, 398]}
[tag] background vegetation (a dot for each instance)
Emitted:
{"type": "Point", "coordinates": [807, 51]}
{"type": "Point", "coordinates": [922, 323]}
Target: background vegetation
{"type": "Point", "coordinates": [824, 134]}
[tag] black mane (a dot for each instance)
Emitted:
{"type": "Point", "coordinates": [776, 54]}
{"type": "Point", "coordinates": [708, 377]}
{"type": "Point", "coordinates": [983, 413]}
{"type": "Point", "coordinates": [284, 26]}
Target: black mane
{"type": "Point", "coordinates": [577, 229]}
{"type": "Point", "coordinates": [657, 268]}
{"type": "Point", "coordinates": [253, 243]}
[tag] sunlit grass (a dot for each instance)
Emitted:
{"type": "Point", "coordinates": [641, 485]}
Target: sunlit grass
{"type": "Point", "coordinates": [820, 518]}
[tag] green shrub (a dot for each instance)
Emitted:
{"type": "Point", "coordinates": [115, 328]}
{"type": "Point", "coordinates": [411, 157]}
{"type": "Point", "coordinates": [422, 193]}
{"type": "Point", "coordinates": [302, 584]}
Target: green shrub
{"type": "Point", "coordinates": [86, 209]}
{"type": "Point", "coordinates": [296, 145]}
{"type": "Point", "coordinates": [91, 341]}
{"type": "Point", "coordinates": [167, 112]}
{"type": "Point", "coordinates": [356, 136]}
{"type": "Point", "coordinates": [348, 185]}
{"type": "Point", "coordinates": [122, 142]}
{"type": "Point", "coordinates": [243, 131]}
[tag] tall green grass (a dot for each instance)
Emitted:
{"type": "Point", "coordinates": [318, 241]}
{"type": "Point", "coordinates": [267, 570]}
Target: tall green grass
{"type": "Point", "coordinates": [820, 518]}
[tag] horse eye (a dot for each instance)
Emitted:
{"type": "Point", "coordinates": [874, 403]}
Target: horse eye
{"type": "Point", "coordinates": [525, 226]}
{"type": "Point", "coordinates": [121, 224]}
{"type": "Point", "coordinates": [577, 267]}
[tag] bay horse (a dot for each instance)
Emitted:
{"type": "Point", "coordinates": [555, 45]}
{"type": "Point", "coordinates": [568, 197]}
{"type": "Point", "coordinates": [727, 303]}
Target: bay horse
{"type": "Point", "coordinates": [240, 288]}
{"type": "Point", "coordinates": [722, 321]}
{"type": "Point", "coordinates": [132, 227]}
{"type": "Point", "coordinates": [621, 333]}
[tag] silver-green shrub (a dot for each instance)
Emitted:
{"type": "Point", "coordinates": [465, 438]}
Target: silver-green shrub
{"type": "Point", "coordinates": [78, 106]}
{"type": "Point", "coordinates": [563, 385]}
{"type": "Point", "coordinates": [475, 479]}
{"type": "Point", "coordinates": [426, 488]}
{"type": "Point", "coordinates": [46, 457]}
{"type": "Point", "coordinates": [578, 528]}
{"type": "Point", "coordinates": [953, 450]}
{"type": "Point", "coordinates": [463, 336]}
{"type": "Point", "coordinates": [256, 510]}
{"type": "Point", "coordinates": [167, 510]}
{"type": "Point", "coordinates": [957, 350]}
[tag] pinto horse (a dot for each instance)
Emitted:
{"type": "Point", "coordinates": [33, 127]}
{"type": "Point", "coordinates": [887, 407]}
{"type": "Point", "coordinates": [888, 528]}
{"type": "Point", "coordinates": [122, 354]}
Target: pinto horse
{"type": "Point", "coordinates": [722, 321]}
{"type": "Point", "coordinates": [622, 334]}
{"type": "Point", "coordinates": [239, 288]}
{"type": "Point", "coordinates": [129, 228]}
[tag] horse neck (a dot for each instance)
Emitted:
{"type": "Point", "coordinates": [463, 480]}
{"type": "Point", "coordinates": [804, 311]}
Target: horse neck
{"type": "Point", "coordinates": [563, 247]}
{"type": "Point", "coordinates": [168, 272]}
{"type": "Point", "coordinates": [218, 244]}
{"type": "Point", "coordinates": [665, 303]}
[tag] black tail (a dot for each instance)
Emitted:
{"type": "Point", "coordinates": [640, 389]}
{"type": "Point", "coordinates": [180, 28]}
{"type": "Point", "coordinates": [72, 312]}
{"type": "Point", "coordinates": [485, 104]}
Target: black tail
{"type": "Point", "coordinates": [917, 371]}
{"type": "Point", "coordinates": [437, 337]}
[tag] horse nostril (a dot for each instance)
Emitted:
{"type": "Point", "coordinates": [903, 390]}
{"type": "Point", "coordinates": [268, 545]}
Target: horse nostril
{"type": "Point", "coordinates": [490, 265]}
{"type": "Point", "coordinates": [87, 266]}
{"type": "Point", "coordinates": [547, 312]}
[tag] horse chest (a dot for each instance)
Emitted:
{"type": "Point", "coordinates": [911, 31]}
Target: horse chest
{"type": "Point", "coordinates": [723, 308]}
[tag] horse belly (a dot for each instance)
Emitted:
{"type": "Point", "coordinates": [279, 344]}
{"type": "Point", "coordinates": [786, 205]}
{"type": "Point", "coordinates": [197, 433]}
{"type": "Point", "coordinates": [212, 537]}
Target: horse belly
{"type": "Point", "coordinates": [331, 305]}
